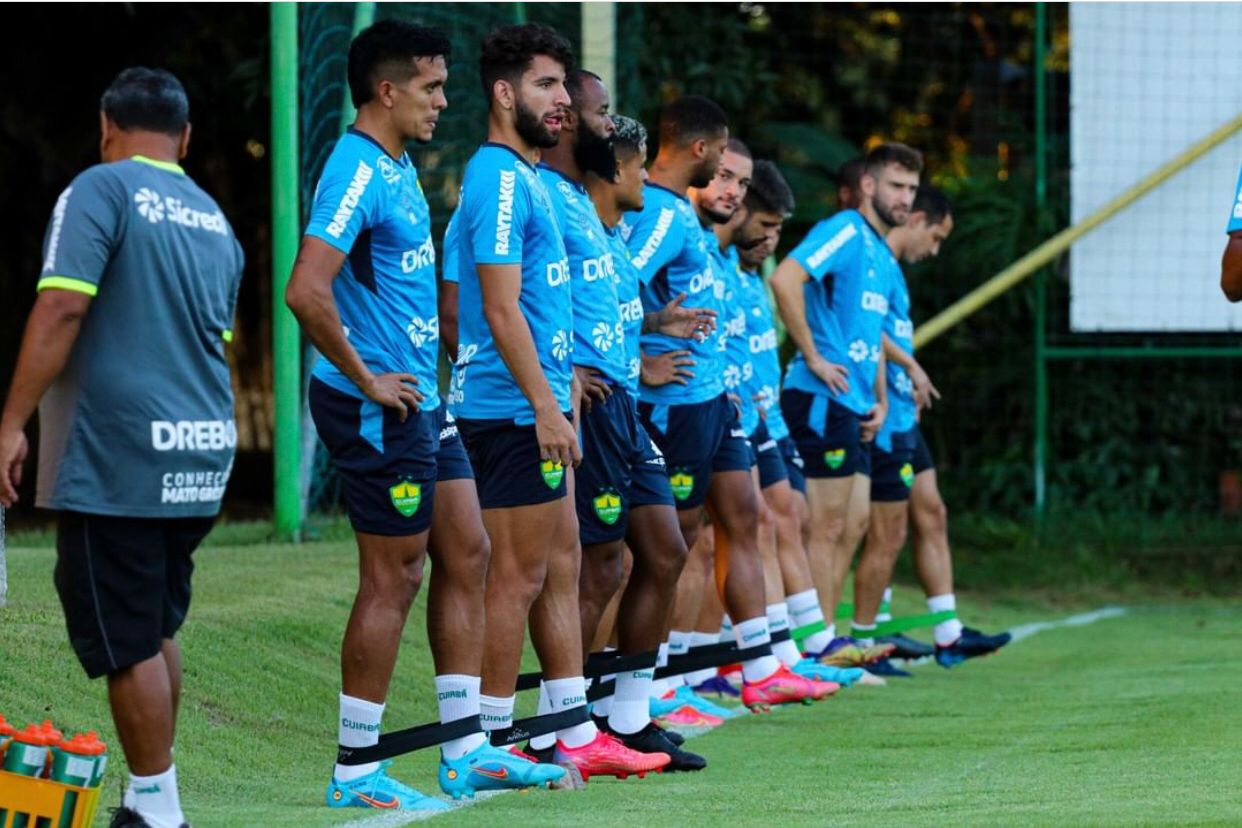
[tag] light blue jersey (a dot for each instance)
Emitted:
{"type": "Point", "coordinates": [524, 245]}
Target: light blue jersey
{"type": "Point", "coordinates": [599, 333]}
{"type": "Point", "coordinates": [902, 409]}
{"type": "Point", "coordinates": [370, 206]}
{"type": "Point", "coordinates": [451, 259]}
{"type": "Point", "coordinates": [630, 306]}
{"type": "Point", "coordinates": [1235, 213]}
{"type": "Point", "coordinates": [765, 383]}
{"type": "Point", "coordinates": [852, 273]}
{"type": "Point", "coordinates": [671, 252]}
{"type": "Point", "coordinates": [506, 217]}
{"type": "Point", "coordinates": [739, 372]}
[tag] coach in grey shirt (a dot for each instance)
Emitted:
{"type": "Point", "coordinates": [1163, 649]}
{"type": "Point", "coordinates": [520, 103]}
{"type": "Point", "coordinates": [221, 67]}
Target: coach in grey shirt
{"type": "Point", "coordinates": [124, 356]}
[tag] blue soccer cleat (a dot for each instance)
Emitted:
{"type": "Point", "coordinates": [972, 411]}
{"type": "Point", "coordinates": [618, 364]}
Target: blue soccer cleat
{"type": "Point", "coordinates": [688, 696]}
{"type": "Point", "coordinates": [886, 669]}
{"type": "Point", "coordinates": [379, 790]}
{"type": "Point", "coordinates": [970, 643]}
{"type": "Point", "coordinates": [812, 669]}
{"type": "Point", "coordinates": [488, 768]}
{"type": "Point", "coordinates": [718, 686]}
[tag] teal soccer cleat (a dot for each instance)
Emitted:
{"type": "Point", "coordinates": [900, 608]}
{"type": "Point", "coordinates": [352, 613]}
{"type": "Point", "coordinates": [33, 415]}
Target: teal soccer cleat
{"type": "Point", "coordinates": [379, 790]}
{"type": "Point", "coordinates": [488, 768]}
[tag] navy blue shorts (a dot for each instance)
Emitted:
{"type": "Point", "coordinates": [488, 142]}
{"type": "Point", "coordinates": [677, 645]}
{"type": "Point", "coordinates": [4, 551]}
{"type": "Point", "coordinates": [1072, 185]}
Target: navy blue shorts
{"type": "Point", "coordinates": [697, 440]}
{"type": "Point", "coordinates": [793, 463]}
{"type": "Point", "coordinates": [451, 461]}
{"type": "Point", "coordinates": [922, 454]}
{"type": "Point", "coordinates": [508, 469]}
{"type": "Point", "coordinates": [768, 456]}
{"type": "Point", "coordinates": [387, 467]}
{"type": "Point", "coordinates": [826, 434]}
{"type": "Point", "coordinates": [621, 468]}
{"type": "Point", "coordinates": [892, 472]}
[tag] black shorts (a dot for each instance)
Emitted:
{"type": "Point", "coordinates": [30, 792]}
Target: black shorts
{"type": "Point", "coordinates": [388, 467]}
{"type": "Point", "coordinates": [697, 439]}
{"type": "Point", "coordinates": [826, 434]}
{"type": "Point", "coordinates": [892, 472]}
{"type": "Point", "coordinates": [793, 464]}
{"type": "Point", "coordinates": [768, 457]}
{"type": "Point", "coordinates": [124, 584]}
{"type": "Point", "coordinates": [451, 460]}
{"type": "Point", "coordinates": [507, 464]}
{"type": "Point", "coordinates": [922, 454]}
{"type": "Point", "coordinates": [621, 468]}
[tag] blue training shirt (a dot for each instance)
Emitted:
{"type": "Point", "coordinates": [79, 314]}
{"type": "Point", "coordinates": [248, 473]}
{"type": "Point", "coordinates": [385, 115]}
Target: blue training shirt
{"type": "Point", "coordinates": [765, 383]}
{"type": "Point", "coordinates": [370, 206]}
{"type": "Point", "coordinates": [599, 333]}
{"type": "Point", "coordinates": [630, 306]}
{"type": "Point", "coordinates": [902, 409]}
{"type": "Point", "coordinates": [506, 217]}
{"type": "Point", "coordinates": [852, 273]}
{"type": "Point", "coordinates": [1235, 214]}
{"type": "Point", "coordinates": [671, 252]}
{"type": "Point", "coordinates": [739, 372]}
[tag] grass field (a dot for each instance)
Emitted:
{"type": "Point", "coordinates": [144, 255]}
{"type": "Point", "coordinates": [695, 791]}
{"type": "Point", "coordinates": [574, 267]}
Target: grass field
{"type": "Point", "coordinates": [1127, 721]}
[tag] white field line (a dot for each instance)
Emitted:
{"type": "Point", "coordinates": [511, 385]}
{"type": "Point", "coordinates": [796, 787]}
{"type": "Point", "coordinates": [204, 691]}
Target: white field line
{"type": "Point", "coordinates": [397, 818]}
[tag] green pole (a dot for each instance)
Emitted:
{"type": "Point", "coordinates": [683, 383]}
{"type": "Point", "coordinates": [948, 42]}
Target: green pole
{"type": "Point", "coordinates": [364, 15]}
{"type": "Point", "coordinates": [286, 339]}
{"type": "Point", "coordinates": [1040, 459]}
{"type": "Point", "coordinates": [519, 13]}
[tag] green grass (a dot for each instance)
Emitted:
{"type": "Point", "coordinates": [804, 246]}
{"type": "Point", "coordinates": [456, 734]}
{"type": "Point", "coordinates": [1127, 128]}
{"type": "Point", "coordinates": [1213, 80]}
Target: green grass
{"type": "Point", "coordinates": [1126, 722]}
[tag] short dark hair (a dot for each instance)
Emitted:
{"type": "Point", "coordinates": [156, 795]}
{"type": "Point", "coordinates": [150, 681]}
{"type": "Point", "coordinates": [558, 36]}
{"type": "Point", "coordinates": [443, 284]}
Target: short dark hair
{"type": "Point", "coordinates": [850, 172]}
{"type": "Point", "coordinates": [738, 147]}
{"type": "Point", "coordinates": [152, 100]}
{"type": "Point", "coordinates": [508, 51]}
{"type": "Point", "coordinates": [629, 137]}
{"type": "Point", "coordinates": [769, 192]}
{"type": "Point", "coordinates": [894, 153]}
{"type": "Point", "coordinates": [387, 50]}
{"type": "Point", "coordinates": [575, 81]}
{"type": "Point", "coordinates": [931, 203]}
{"type": "Point", "coordinates": [690, 118]}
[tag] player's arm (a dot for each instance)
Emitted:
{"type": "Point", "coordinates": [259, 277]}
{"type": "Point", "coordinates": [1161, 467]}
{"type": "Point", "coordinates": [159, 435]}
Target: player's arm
{"type": "Point", "coordinates": [501, 286]}
{"type": "Point", "coordinates": [675, 320]}
{"type": "Point", "coordinates": [1231, 268]}
{"type": "Point", "coordinates": [787, 283]}
{"type": "Point", "coordinates": [924, 391]}
{"type": "Point", "coordinates": [448, 318]}
{"type": "Point", "coordinates": [309, 296]}
{"type": "Point", "coordinates": [874, 419]}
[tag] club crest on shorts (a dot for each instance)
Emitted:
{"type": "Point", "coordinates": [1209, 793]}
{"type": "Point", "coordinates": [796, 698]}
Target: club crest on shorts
{"type": "Point", "coordinates": [682, 483]}
{"type": "Point", "coordinates": [834, 458]}
{"type": "Point", "coordinates": [607, 506]}
{"type": "Point", "coordinates": [907, 475]}
{"type": "Point", "coordinates": [553, 473]}
{"type": "Point", "coordinates": [406, 497]}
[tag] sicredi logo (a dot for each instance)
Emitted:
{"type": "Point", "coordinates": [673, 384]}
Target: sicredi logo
{"type": "Point", "coordinates": [504, 211]}
{"type": "Point", "coordinates": [832, 245]}
{"type": "Point", "coordinates": [349, 202]}
{"type": "Point", "coordinates": [193, 435]}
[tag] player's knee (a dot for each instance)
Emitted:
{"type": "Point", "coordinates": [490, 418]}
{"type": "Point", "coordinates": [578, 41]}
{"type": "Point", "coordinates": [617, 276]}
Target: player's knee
{"type": "Point", "coordinates": [931, 515]}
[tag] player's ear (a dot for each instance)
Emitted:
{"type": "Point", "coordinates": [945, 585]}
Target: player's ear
{"type": "Point", "coordinates": [503, 93]}
{"type": "Point", "coordinates": [866, 183]}
{"type": "Point", "coordinates": [699, 148]}
{"type": "Point", "coordinates": [183, 142]}
{"type": "Point", "coordinates": [105, 134]}
{"type": "Point", "coordinates": [384, 93]}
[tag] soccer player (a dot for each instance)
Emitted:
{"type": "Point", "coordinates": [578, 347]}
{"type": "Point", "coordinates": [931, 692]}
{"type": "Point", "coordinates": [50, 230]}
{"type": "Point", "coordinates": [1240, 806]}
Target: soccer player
{"type": "Point", "coordinates": [834, 396]}
{"type": "Point", "coordinates": [903, 482]}
{"type": "Point", "coordinates": [1231, 261]}
{"type": "Point", "coordinates": [622, 490]}
{"type": "Point", "coordinates": [124, 356]}
{"type": "Point", "coordinates": [512, 397]}
{"type": "Point", "coordinates": [695, 424]}
{"type": "Point", "coordinates": [367, 266]}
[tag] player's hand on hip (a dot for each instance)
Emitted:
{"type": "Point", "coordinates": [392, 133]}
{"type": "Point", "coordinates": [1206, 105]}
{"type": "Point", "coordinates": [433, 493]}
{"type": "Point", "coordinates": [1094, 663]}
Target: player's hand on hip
{"type": "Point", "coordinates": [836, 377]}
{"type": "Point", "coordinates": [395, 391]}
{"type": "Point", "coordinates": [667, 368]}
{"type": "Point", "coordinates": [558, 441]}
{"type": "Point", "coordinates": [594, 387]}
{"type": "Point", "coordinates": [13, 450]}
{"type": "Point", "coordinates": [872, 421]}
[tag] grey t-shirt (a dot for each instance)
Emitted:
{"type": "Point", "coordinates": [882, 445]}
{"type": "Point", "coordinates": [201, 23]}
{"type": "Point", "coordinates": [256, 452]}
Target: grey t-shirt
{"type": "Point", "coordinates": [140, 422]}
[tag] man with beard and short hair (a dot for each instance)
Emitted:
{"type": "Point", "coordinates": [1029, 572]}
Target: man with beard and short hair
{"type": "Point", "coordinates": [835, 394]}
{"type": "Point", "coordinates": [622, 490]}
{"type": "Point", "coordinates": [512, 392]}
{"type": "Point", "coordinates": [693, 420]}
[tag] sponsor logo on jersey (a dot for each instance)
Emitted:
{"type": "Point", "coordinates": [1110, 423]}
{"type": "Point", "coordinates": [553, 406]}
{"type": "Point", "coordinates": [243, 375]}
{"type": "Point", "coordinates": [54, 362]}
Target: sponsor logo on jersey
{"type": "Point", "coordinates": [600, 268]}
{"type": "Point", "coordinates": [193, 435]}
{"type": "Point", "coordinates": [560, 345]}
{"type": "Point", "coordinates": [904, 328]}
{"type": "Point", "coordinates": [406, 497]}
{"type": "Point", "coordinates": [632, 311]}
{"type": "Point", "coordinates": [766, 341]}
{"type": "Point", "coordinates": [558, 273]}
{"type": "Point", "coordinates": [876, 302]}
{"type": "Point", "coordinates": [156, 209]}
{"type": "Point", "coordinates": [831, 246]}
{"type": "Point", "coordinates": [389, 170]}
{"type": "Point", "coordinates": [58, 221]}
{"type": "Point", "coordinates": [351, 199]}
{"type": "Point", "coordinates": [663, 222]}
{"type": "Point", "coordinates": [703, 280]}
{"type": "Point", "coordinates": [421, 331]}
{"type": "Point", "coordinates": [424, 256]}
{"type": "Point", "coordinates": [604, 336]}
{"type": "Point", "coordinates": [504, 211]}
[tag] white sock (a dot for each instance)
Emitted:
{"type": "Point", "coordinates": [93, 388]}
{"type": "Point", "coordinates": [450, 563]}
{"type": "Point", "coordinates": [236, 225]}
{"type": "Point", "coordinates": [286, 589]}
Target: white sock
{"type": "Point", "coordinates": [752, 633]}
{"type": "Point", "coordinates": [946, 632]}
{"type": "Point", "coordinates": [804, 610]}
{"type": "Point", "coordinates": [603, 707]}
{"type": "Point", "coordinates": [156, 799]}
{"type": "Point", "coordinates": [630, 709]}
{"type": "Point", "coordinates": [886, 607]}
{"type": "Point", "coordinates": [778, 620]}
{"type": "Point", "coordinates": [565, 694]}
{"type": "Point", "coordinates": [547, 740]}
{"type": "Point", "coordinates": [458, 696]}
{"type": "Point", "coordinates": [864, 633]}
{"type": "Point", "coordinates": [679, 642]}
{"type": "Point", "coordinates": [726, 629]}
{"type": "Point", "coordinates": [358, 726]}
{"type": "Point", "coordinates": [496, 712]}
